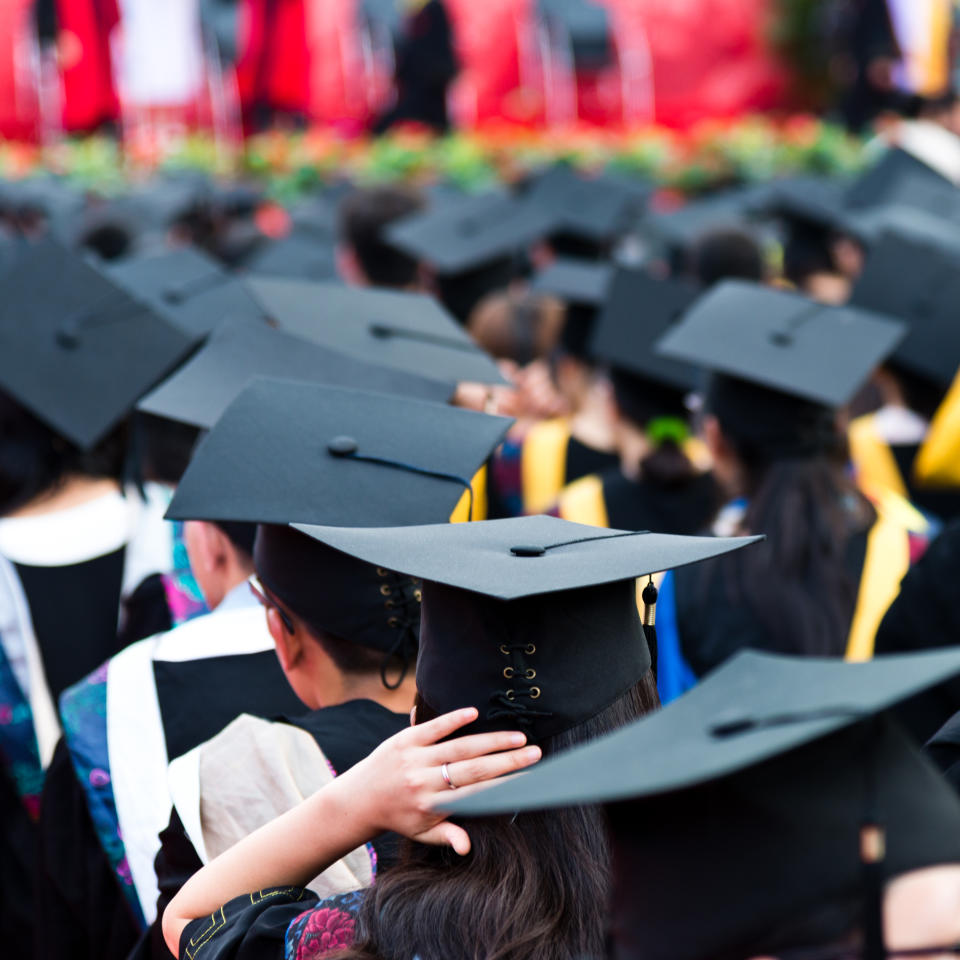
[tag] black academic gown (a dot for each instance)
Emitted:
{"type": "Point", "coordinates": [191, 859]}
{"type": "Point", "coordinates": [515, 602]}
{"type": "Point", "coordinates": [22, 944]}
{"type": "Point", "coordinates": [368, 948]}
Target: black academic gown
{"type": "Point", "coordinates": [82, 911]}
{"type": "Point", "coordinates": [713, 623]}
{"type": "Point", "coordinates": [346, 734]}
{"type": "Point", "coordinates": [626, 504]}
{"type": "Point", "coordinates": [942, 504]}
{"type": "Point", "coordinates": [923, 617]}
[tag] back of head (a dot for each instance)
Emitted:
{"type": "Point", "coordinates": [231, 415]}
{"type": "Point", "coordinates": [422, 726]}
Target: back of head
{"type": "Point", "coordinates": [797, 582]}
{"type": "Point", "coordinates": [517, 327]}
{"type": "Point", "coordinates": [35, 460]}
{"type": "Point", "coordinates": [533, 886]}
{"type": "Point", "coordinates": [364, 215]}
{"type": "Point", "coordinates": [727, 254]}
{"type": "Point", "coordinates": [366, 618]}
{"type": "Point", "coordinates": [659, 410]}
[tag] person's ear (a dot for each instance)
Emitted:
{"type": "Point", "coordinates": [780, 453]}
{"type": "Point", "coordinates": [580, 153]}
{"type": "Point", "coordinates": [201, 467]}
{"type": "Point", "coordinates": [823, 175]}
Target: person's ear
{"type": "Point", "coordinates": [714, 439]}
{"type": "Point", "coordinates": [348, 266]}
{"type": "Point", "coordinates": [288, 646]}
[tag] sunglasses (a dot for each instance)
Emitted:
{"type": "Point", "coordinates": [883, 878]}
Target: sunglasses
{"type": "Point", "coordinates": [260, 592]}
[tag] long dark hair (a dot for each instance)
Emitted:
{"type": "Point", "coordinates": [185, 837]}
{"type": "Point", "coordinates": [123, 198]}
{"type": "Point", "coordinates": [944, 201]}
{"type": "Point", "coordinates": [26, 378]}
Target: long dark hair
{"type": "Point", "coordinates": [533, 887]}
{"type": "Point", "coordinates": [35, 460]}
{"type": "Point", "coordinates": [798, 581]}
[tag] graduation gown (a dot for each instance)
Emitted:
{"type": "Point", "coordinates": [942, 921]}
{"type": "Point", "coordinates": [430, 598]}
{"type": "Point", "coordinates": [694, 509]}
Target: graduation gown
{"type": "Point", "coordinates": [530, 469]}
{"type": "Point", "coordinates": [303, 753]}
{"type": "Point", "coordinates": [925, 616]}
{"type": "Point", "coordinates": [106, 797]}
{"type": "Point", "coordinates": [699, 626]}
{"type": "Point", "coordinates": [610, 499]}
{"type": "Point", "coordinates": [882, 464]}
{"type": "Point", "coordinates": [87, 558]}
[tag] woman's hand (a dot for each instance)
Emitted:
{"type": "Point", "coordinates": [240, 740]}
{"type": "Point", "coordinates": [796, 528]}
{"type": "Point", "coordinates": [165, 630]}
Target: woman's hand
{"type": "Point", "coordinates": [401, 783]}
{"type": "Point", "coordinates": [395, 788]}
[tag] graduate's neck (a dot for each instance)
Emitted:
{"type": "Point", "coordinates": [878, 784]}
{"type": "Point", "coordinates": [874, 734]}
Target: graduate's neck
{"type": "Point", "coordinates": [592, 424]}
{"type": "Point", "coordinates": [346, 687]}
{"type": "Point", "coordinates": [633, 446]}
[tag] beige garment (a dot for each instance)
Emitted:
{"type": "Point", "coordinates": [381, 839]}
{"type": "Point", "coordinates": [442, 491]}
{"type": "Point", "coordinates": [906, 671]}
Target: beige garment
{"type": "Point", "coordinates": [251, 773]}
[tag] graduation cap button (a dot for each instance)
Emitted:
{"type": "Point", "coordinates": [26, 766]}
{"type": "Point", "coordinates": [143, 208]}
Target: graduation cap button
{"type": "Point", "coordinates": [781, 338]}
{"type": "Point", "coordinates": [528, 551]}
{"type": "Point", "coordinates": [342, 446]}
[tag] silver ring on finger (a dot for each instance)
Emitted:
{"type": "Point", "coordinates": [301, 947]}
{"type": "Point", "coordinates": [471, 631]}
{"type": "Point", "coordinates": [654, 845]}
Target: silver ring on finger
{"type": "Point", "coordinates": [445, 773]}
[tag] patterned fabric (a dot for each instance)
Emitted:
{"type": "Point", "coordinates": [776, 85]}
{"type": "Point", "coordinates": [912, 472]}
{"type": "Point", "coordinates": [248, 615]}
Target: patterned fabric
{"type": "Point", "coordinates": [327, 927]}
{"type": "Point", "coordinates": [19, 753]}
{"type": "Point", "coordinates": [506, 474]}
{"type": "Point", "coordinates": [183, 594]}
{"type": "Point", "coordinates": [83, 712]}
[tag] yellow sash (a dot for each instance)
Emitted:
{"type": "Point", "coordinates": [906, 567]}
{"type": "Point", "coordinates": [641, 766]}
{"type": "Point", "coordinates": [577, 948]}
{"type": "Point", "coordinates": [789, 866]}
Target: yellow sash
{"type": "Point", "coordinates": [938, 461]}
{"type": "Point", "coordinates": [582, 502]}
{"type": "Point", "coordinates": [461, 512]}
{"type": "Point", "coordinates": [885, 565]}
{"type": "Point", "coordinates": [543, 464]}
{"type": "Point", "coordinates": [873, 460]}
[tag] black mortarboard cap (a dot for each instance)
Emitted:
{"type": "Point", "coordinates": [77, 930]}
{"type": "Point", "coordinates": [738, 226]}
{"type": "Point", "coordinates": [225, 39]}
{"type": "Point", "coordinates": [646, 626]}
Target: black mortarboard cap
{"type": "Point", "coordinates": [471, 233]}
{"type": "Point", "coordinates": [286, 451]}
{"type": "Point", "coordinates": [807, 201]}
{"type": "Point", "coordinates": [189, 288]}
{"type": "Point", "coordinates": [75, 349]}
{"type": "Point", "coordinates": [583, 285]}
{"type": "Point", "coordinates": [407, 331]}
{"type": "Point", "coordinates": [198, 392]}
{"type": "Point", "coordinates": [532, 620]}
{"type": "Point", "coordinates": [918, 283]}
{"type": "Point", "coordinates": [596, 209]}
{"type": "Point", "coordinates": [895, 172]}
{"type": "Point", "coordinates": [575, 281]}
{"type": "Point", "coordinates": [640, 309]}
{"type": "Point", "coordinates": [681, 228]}
{"type": "Point", "coordinates": [763, 770]}
{"type": "Point", "coordinates": [782, 341]}
{"type": "Point", "coordinates": [900, 220]}
{"type": "Point", "coordinates": [301, 255]}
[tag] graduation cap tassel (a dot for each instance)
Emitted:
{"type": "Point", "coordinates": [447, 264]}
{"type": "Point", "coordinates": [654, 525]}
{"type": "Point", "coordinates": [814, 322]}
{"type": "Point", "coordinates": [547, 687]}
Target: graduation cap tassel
{"type": "Point", "coordinates": [649, 597]}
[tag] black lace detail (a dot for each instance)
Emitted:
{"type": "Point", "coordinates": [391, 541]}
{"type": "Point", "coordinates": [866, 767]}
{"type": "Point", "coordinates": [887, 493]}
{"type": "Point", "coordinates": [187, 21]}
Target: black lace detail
{"type": "Point", "coordinates": [402, 603]}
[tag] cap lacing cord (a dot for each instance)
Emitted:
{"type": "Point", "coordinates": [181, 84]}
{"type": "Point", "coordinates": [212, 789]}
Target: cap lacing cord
{"type": "Point", "coordinates": [403, 595]}
{"type": "Point", "coordinates": [346, 449]}
{"type": "Point", "coordinates": [520, 676]}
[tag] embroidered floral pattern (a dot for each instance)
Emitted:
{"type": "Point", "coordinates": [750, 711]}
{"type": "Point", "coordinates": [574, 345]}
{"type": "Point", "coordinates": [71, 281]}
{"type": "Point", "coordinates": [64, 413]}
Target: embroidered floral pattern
{"type": "Point", "coordinates": [329, 926]}
{"type": "Point", "coordinates": [83, 710]}
{"type": "Point", "coordinates": [19, 753]}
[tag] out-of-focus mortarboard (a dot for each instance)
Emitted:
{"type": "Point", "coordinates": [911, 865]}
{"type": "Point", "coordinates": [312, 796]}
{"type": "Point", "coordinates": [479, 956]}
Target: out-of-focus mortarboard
{"type": "Point", "coordinates": [518, 613]}
{"type": "Point", "coordinates": [471, 233]}
{"type": "Point", "coordinates": [199, 391]}
{"type": "Point", "coordinates": [890, 179]}
{"type": "Point", "coordinates": [286, 451]}
{"type": "Point", "coordinates": [773, 767]}
{"type": "Point", "coordinates": [640, 309]}
{"type": "Point", "coordinates": [77, 350]}
{"type": "Point", "coordinates": [593, 209]}
{"type": "Point", "coordinates": [302, 255]}
{"type": "Point", "coordinates": [407, 331]}
{"type": "Point", "coordinates": [189, 288]}
{"type": "Point", "coordinates": [919, 283]}
{"type": "Point", "coordinates": [782, 341]}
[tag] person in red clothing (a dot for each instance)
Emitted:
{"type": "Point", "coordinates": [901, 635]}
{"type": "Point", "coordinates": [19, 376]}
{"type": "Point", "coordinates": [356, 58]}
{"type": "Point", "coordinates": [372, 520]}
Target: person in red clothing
{"type": "Point", "coordinates": [81, 31]}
